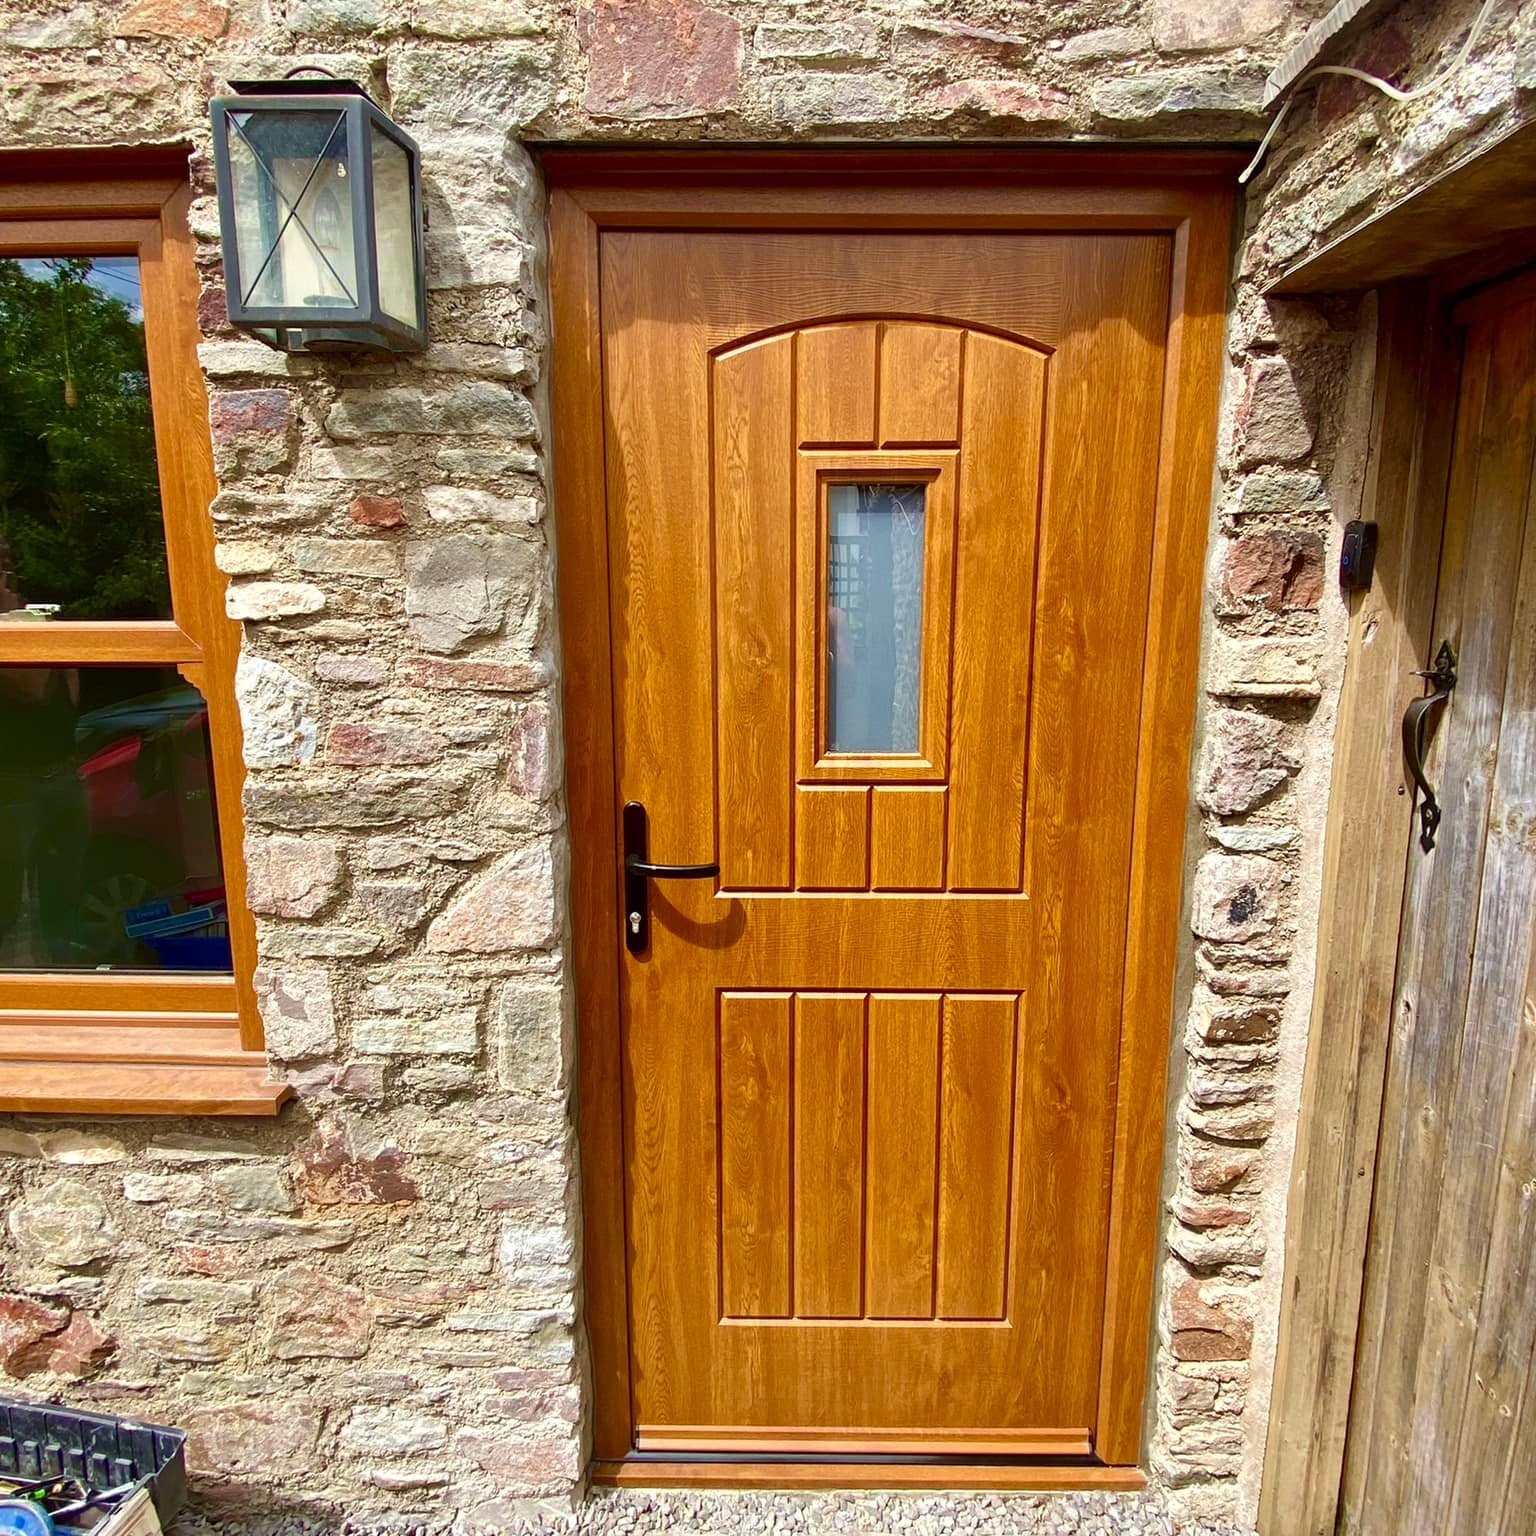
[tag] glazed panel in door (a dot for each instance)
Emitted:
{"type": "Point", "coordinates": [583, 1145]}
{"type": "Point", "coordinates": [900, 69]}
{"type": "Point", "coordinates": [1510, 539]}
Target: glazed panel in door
{"type": "Point", "coordinates": [880, 519]}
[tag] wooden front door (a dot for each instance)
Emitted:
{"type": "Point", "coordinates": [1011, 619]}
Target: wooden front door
{"type": "Point", "coordinates": [1442, 1434]}
{"type": "Point", "coordinates": [894, 528]}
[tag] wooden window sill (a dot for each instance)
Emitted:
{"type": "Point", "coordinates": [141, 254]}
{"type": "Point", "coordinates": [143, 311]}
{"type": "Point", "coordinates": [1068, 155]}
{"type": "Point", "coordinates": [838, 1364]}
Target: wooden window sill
{"type": "Point", "coordinates": [104, 1068]}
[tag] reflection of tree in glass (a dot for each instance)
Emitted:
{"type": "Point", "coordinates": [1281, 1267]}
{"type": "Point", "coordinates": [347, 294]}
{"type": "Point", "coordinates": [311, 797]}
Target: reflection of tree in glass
{"type": "Point", "coordinates": [79, 495]}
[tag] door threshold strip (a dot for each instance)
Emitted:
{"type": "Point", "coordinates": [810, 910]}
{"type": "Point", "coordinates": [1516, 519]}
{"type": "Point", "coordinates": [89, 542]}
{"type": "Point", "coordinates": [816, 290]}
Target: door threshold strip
{"type": "Point", "coordinates": [739, 1470]}
{"type": "Point", "coordinates": [859, 1459]}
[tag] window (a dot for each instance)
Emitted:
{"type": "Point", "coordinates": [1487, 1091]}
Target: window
{"type": "Point", "coordinates": [874, 541]}
{"type": "Point", "coordinates": [874, 615]}
{"type": "Point", "coordinates": [126, 953]}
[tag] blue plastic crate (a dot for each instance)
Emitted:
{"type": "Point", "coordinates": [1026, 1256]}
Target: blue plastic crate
{"type": "Point", "coordinates": [193, 952]}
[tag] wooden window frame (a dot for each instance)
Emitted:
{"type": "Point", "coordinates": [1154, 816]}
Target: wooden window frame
{"type": "Point", "coordinates": [1186, 195]}
{"type": "Point", "coordinates": [122, 1042]}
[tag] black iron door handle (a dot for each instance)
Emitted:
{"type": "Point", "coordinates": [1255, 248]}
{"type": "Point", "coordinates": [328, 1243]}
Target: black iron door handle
{"type": "Point", "coordinates": [1418, 719]}
{"type": "Point", "coordinates": [634, 866]}
{"type": "Point", "coordinates": [638, 874]}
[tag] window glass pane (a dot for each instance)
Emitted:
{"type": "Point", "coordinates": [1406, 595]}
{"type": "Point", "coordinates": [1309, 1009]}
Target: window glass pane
{"type": "Point", "coordinates": [293, 208]}
{"type": "Point", "coordinates": [81, 535]}
{"type": "Point", "coordinates": [874, 616]}
{"type": "Point", "coordinates": [109, 854]}
{"type": "Point", "coordinates": [394, 230]}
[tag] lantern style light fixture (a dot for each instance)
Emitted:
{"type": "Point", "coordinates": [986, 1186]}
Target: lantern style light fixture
{"type": "Point", "coordinates": [320, 211]}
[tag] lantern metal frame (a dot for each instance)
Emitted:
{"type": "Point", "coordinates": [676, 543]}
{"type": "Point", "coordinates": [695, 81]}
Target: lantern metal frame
{"type": "Point", "coordinates": [310, 328]}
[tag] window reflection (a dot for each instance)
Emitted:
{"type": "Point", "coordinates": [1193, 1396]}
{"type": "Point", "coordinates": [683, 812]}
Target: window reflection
{"type": "Point", "coordinates": [874, 616]}
{"type": "Point", "coordinates": [109, 855]}
{"type": "Point", "coordinates": [81, 535]}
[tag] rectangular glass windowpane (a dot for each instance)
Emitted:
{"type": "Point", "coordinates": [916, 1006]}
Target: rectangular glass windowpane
{"type": "Point", "coordinates": [394, 232]}
{"type": "Point", "coordinates": [293, 208]}
{"type": "Point", "coordinates": [81, 535]}
{"type": "Point", "coordinates": [874, 616]}
{"type": "Point", "coordinates": [109, 851]}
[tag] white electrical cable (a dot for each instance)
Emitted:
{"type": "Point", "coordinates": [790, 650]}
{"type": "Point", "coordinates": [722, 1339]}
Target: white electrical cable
{"type": "Point", "coordinates": [1384, 86]}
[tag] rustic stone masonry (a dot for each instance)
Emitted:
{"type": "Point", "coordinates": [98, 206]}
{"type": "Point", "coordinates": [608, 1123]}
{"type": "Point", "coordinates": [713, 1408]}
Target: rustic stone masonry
{"type": "Point", "coordinates": [1290, 472]}
{"type": "Point", "coordinates": [372, 1304]}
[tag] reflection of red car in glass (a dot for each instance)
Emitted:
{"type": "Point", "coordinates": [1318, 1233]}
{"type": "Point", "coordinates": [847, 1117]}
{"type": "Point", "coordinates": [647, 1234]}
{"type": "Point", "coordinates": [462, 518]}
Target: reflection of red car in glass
{"type": "Point", "coordinates": [153, 879]}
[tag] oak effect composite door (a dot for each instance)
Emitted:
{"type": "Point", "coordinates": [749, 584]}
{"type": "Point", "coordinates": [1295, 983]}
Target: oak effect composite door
{"type": "Point", "coordinates": [881, 519]}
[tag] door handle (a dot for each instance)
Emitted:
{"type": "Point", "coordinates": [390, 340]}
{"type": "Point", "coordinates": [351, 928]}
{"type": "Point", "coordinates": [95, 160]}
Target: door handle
{"type": "Point", "coordinates": [638, 874]}
{"type": "Point", "coordinates": [634, 866]}
{"type": "Point", "coordinates": [1418, 720]}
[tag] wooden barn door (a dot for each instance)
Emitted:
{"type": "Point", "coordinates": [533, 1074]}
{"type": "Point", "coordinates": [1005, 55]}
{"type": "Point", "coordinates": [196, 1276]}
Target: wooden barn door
{"type": "Point", "coordinates": [1442, 1435]}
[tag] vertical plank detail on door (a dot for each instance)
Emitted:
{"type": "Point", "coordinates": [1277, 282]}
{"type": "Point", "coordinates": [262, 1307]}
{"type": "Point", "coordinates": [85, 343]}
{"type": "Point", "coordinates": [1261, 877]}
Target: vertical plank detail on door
{"type": "Point", "coordinates": [754, 1111]}
{"type": "Point", "coordinates": [862, 1136]}
{"type": "Point", "coordinates": [1386, 1350]}
{"type": "Point", "coordinates": [1442, 1425]}
{"type": "Point", "coordinates": [835, 382]}
{"type": "Point", "coordinates": [829, 1154]}
{"type": "Point", "coordinates": [832, 838]}
{"type": "Point", "coordinates": [1003, 415]}
{"type": "Point", "coordinates": [919, 384]}
{"type": "Point", "coordinates": [903, 1155]}
{"type": "Point", "coordinates": [977, 1096]}
{"type": "Point", "coordinates": [906, 839]}
{"type": "Point", "coordinates": [1482, 1025]}
{"type": "Point", "coordinates": [1476, 577]}
{"type": "Point", "coordinates": [1498, 1429]}
{"type": "Point", "coordinates": [753, 612]}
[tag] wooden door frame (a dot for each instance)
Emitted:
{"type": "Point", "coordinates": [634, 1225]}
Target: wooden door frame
{"type": "Point", "coordinates": [1186, 195]}
{"type": "Point", "coordinates": [1367, 851]}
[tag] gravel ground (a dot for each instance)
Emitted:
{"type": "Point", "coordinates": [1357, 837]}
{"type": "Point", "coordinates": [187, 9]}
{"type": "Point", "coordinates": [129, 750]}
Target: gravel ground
{"type": "Point", "coordinates": [620, 1512]}
{"type": "Point", "coordinates": [612, 1512]}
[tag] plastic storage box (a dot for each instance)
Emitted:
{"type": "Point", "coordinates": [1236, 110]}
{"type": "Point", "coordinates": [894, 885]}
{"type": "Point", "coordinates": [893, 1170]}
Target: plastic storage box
{"type": "Point", "coordinates": [37, 1440]}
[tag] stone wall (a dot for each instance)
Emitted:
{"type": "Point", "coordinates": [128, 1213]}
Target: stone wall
{"type": "Point", "coordinates": [1290, 474]}
{"type": "Point", "coordinates": [373, 1303]}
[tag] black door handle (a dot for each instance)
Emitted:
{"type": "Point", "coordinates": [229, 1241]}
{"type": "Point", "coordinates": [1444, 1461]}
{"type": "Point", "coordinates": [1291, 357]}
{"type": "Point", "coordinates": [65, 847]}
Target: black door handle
{"type": "Point", "coordinates": [1417, 720]}
{"type": "Point", "coordinates": [634, 866]}
{"type": "Point", "coordinates": [638, 874]}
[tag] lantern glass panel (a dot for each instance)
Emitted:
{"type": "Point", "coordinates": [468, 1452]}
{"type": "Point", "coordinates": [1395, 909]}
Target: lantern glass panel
{"type": "Point", "coordinates": [394, 229]}
{"type": "Point", "coordinates": [292, 188]}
